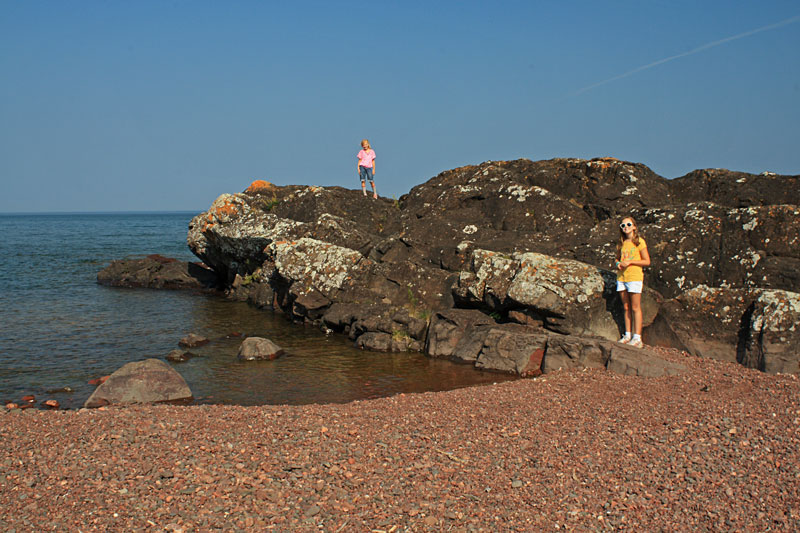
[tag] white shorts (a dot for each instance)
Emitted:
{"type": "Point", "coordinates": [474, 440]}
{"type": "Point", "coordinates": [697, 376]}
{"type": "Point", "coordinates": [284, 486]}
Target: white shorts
{"type": "Point", "coordinates": [630, 286]}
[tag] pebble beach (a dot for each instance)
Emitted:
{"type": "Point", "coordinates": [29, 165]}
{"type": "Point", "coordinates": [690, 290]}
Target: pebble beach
{"type": "Point", "coordinates": [716, 448]}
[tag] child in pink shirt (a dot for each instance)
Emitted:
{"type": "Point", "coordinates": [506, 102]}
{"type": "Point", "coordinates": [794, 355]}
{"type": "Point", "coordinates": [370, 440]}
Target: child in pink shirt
{"type": "Point", "coordinates": [366, 167]}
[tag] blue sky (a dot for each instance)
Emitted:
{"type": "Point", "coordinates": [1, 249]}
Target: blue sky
{"type": "Point", "coordinates": [164, 105]}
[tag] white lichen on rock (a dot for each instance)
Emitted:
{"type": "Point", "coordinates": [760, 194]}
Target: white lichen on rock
{"type": "Point", "coordinates": [317, 264]}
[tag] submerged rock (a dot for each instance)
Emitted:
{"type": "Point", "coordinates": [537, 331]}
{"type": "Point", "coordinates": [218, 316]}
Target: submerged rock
{"type": "Point", "coordinates": [179, 356]}
{"type": "Point", "coordinates": [193, 340]}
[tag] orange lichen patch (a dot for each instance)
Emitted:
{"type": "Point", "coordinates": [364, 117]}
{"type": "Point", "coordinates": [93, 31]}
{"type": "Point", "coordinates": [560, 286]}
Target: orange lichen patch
{"type": "Point", "coordinates": [260, 186]}
{"type": "Point", "coordinates": [228, 209]}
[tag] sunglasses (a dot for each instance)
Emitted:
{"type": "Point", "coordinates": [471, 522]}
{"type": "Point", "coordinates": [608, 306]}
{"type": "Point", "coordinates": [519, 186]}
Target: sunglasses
{"type": "Point", "coordinates": [626, 225]}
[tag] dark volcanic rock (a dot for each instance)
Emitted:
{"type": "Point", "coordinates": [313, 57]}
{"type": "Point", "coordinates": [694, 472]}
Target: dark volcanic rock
{"type": "Point", "coordinates": [755, 327]}
{"type": "Point", "coordinates": [735, 189]}
{"type": "Point", "coordinates": [528, 242]}
{"type": "Point", "coordinates": [145, 381]}
{"type": "Point", "coordinates": [158, 272]}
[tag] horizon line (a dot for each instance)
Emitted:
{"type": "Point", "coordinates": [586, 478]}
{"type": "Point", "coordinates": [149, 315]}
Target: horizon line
{"type": "Point", "coordinates": [123, 212]}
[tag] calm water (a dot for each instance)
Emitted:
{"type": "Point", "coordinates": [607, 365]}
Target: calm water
{"type": "Point", "coordinates": [58, 328]}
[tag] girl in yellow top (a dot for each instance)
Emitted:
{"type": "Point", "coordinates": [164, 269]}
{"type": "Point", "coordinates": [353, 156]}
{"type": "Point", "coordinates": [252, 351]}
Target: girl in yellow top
{"type": "Point", "coordinates": [632, 255]}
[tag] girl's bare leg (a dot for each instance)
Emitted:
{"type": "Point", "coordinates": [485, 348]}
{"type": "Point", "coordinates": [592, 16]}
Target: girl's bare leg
{"type": "Point", "coordinates": [374, 190]}
{"type": "Point", "coordinates": [636, 312]}
{"type": "Point", "coordinates": [626, 306]}
{"type": "Point", "coordinates": [364, 187]}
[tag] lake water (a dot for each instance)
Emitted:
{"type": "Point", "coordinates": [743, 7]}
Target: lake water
{"type": "Point", "coordinates": [59, 328]}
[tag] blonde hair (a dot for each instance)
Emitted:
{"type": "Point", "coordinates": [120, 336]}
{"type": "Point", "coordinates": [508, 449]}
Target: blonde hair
{"type": "Point", "coordinates": [369, 146]}
{"type": "Point", "coordinates": [634, 239]}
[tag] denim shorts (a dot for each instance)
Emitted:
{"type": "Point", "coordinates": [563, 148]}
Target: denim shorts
{"type": "Point", "coordinates": [630, 286]}
{"type": "Point", "coordinates": [365, 173]}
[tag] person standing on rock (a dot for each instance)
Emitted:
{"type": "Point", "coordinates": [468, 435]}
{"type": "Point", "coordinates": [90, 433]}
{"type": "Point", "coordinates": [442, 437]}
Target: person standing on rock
{"type": "Point", "coordinates": [632, 255]}
{"type": "Point", "coordinates": [366, 167]}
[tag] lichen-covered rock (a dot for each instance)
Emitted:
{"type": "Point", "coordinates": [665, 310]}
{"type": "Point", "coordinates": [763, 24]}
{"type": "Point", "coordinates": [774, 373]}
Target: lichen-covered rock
{"type": "Point", "coordinates": [148, 381]}
{"type": "Point", "coordinates": [503, 237]}
{"type": "Point", "coordinates": [773, 342]}
{"type": "Point", "coordinates": [755, 327]}
{"type": "Point", "coordinates": [708, 244]}
{"type": "Point", "coordinates": [570, 297]}
{"type": "Point", "coordinates": [704, 321]}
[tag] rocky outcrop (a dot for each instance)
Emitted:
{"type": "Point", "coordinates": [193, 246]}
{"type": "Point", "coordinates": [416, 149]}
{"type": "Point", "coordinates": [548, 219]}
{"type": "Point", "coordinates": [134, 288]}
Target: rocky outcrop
{"type": "Point", "coordinates": [520, 241]}
{"type": "Point", "coordinates": [148, 381]}
{"type": "Point", "coordinates": [158, 272]}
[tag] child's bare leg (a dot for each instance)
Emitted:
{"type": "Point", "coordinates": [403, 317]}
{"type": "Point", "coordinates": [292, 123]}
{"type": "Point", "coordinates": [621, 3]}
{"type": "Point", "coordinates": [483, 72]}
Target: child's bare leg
{"type": "Point", "coordinates": [636, 312]}
{"type": "Point", "coordinates": [364, 187]}
{"type": "Point", "coordinates": [626, 306]}
{"type": "Point", "coordinates": [374, 190]}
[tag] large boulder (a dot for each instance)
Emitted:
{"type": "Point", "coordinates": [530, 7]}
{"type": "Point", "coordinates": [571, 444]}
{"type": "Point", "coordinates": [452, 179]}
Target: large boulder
{"type": "Point", "coordinates": [148, 381]}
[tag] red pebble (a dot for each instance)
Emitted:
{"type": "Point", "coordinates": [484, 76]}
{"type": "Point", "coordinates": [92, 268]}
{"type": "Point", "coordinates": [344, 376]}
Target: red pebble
{"type": "Point", "coordinates": [11, 405]}
{"type": "Point", "coordinates": [52, 404]}
{"type": "Point", "coordinates": [30, 398]}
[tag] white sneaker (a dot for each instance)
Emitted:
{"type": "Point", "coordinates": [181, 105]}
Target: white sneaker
{"type": "Point", "coordinates": [636, 343]}
{"type": "Point", "coordinates": [625, 339]}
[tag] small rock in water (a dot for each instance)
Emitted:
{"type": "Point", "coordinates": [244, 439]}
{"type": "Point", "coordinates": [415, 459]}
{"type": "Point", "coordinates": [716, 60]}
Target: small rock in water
{"type": "Point", "coordinates": [193, 340]}
{"type": "Point", "coordinates": [256, 348]}
{"type": "Point", "coordinates": [98, 381]}
{"type": "Point", "coordinates": [51, 404]}
{"type": "Point", "coordinates": [67, 390]}
{"type": "Point", "coordinates": [30, 398]}
{"type": "Point", "coordinates": [12, 405]}
{"type": "Point", "coordinates": [179, 356]}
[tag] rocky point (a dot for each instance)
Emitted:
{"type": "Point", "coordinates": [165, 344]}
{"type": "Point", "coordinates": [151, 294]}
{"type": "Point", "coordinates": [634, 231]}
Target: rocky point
{"type": "Point", "coordinates": [529, 247]}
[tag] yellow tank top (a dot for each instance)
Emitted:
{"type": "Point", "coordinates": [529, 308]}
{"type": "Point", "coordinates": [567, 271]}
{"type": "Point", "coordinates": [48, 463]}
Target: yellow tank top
{"type": "Point", "coordinates": [631, 252]}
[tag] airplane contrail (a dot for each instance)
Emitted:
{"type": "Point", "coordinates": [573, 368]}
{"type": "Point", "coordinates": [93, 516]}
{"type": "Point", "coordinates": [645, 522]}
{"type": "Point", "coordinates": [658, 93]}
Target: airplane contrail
{"type": "Point", "coordinates": [690, 52]}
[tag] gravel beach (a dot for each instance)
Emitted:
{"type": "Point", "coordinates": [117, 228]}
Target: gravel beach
{"type": "Point", "coordinates": [714, 449]}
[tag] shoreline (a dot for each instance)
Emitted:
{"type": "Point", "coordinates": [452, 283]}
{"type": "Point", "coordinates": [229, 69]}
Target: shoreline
{"type": "Point", "coordinates": [716, 447]}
